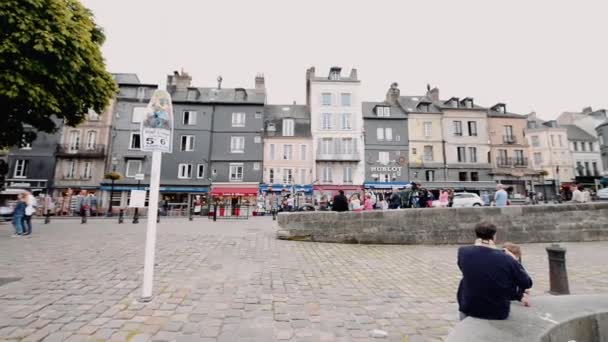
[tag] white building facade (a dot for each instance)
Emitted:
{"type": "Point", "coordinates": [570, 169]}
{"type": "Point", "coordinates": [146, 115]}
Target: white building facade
{"type": "Point", "coordinates": [337, 131]}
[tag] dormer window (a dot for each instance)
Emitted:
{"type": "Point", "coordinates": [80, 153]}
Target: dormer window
{"type": "Point", "coordinates": [500, 108]}
{"type": "Point", "coordinates": [423, 106]}
{"type": "Point", "coordinates": [240, 94]}
{"type": "Point", "coordinates": [271, 127]}
{"type": "Point", "coordinates": [334, 73]}
{"type": "Point", "coordinates": [383, 111]}
{"type": "Point", "coordinates": [453, 102]}
{"type": "Point", "coordinates": [467, 102]}
{"type": "Point", "coordinates": [288, 126]}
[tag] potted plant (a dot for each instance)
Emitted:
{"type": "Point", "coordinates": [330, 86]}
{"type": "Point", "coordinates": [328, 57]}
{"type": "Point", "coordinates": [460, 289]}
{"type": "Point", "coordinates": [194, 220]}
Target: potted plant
{"type": "Point", "coordinates": [222, 208]}
{"type": "Point", "coordinates": [112, 176]}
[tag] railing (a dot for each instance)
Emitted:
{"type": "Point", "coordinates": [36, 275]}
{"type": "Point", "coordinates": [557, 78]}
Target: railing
{"type": "Point", "coordinates": [81, 150]}
{"type": "Point", "coordinates": [509, 139]}
{"type": "Point", "coordinates": [511, 162]}
{"type": "Point", "coordinates": [354, 156]}
{"type": "Point", "coordinates": [228, 212]}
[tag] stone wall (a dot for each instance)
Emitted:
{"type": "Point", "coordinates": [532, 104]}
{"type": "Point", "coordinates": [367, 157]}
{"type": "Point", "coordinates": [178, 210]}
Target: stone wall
{"type": "Point", "coordinates": [519, 224]}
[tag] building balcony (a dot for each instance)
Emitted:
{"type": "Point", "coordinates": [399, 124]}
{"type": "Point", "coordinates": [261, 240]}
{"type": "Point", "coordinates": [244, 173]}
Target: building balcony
{"type": "Point", "coordinates": [82, 151]}
{"type": "Point", "coordinates": [511, 162]}
{"type": "Point", "coordinates": [349, 157]}
{"type": "Point", "coordinates": [509, 139]}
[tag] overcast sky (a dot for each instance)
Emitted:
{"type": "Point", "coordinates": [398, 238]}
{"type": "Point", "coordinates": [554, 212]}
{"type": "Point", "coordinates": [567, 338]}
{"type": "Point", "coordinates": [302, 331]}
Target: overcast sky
{"type": "Point", "coordinates": [543, 55]}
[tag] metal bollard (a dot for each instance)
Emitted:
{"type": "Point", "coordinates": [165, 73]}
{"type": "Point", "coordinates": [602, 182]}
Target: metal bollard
{"type": "Point", "coordinates": [190, 213]}
{"type": "Point", "coordinates": [83, 217]}
{"type": "Point", "coordinates": [47, 218]}
{"type": "Point", "coordinates": [136, 216]}
{"type": "Point", "coordinates": [214, 212]}
{"type": "Point", "coordinates": [558, 276]}
{"type": "Point", "coordinates": [158, 216]}
{"type": "Point", "coordinates": [274, 214]}
{"type": "Point", "coordinates": [121, 216]}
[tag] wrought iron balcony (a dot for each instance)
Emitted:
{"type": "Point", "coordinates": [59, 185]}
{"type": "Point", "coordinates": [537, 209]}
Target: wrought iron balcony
{"type": "Point", "coordinates": [70, 150]}
{"type": "Point", "coordinates": [512, 162]}
{"type": "Point", "coordinates": [353, 156]}
{"type": "Point", "coordinates": [509, 139]}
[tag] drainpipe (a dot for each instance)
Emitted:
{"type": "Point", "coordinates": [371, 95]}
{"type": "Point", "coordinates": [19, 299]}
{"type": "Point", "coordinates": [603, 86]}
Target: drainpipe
{"type": "Point", "coordinates": [211, 133]}
{"type": "Point", "coordinates": [445, 161]}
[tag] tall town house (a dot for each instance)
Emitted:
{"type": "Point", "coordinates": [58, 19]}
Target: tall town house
{"type": "Point", "coordinates": [549, 152]}
{"type": "Point", "coordinates": [509, 150]}
{"type": "Point", "coordinates": [586, 157]}
{"type": "Point", "coordinates": [386, 142]}
{"type": "Point", "coordinates": [288, 156]}
{"type": "Point", "coordinates": [337, 131]}
{"type": "Point", "coordinates": [602, 137]}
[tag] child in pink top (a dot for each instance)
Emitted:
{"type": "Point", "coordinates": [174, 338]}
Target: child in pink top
{"type": "Point", "coordinates": [444, 198]}
{"type": "Point", "coordinates": [368, 205]}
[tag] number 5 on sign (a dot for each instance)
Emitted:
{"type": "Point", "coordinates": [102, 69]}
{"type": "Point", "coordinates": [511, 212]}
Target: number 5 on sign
{"type": "Point", "coordinates": [157, 126]}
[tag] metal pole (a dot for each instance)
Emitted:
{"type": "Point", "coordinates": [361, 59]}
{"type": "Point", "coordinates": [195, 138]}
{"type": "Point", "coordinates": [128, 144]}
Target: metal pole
{"type": "Point", "coordinates": [558, 276]}
{"type": "Point", "coordinates": [136, 213]}
{"type": "Point", "coordinates": [111, 196]}
{"type": "Point", "coordinates": [146, 294]}
{"type": "Point", "coordinates": [215, 212]}
{"type": "Point", "coordinates": [47, 218]}
{"type": "Point", "coordinates": [121, 216]}
{"type": "Point", "coordinates": [83, 213]}
{"type": "Point", "coordinates": [544, 189]}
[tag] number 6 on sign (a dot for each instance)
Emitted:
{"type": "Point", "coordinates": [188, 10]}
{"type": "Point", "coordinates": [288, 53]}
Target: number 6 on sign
{"type": "Point", "coordinates": [157, 127]}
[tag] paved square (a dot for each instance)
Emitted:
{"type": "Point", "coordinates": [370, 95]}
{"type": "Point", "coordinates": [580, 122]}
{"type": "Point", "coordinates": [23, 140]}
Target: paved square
{"type": "Point", "coordinates": [233, 281]}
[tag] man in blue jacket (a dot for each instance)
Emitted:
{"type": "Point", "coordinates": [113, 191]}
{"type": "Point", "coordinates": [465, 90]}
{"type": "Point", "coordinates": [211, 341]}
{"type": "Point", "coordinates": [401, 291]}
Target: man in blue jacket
{"type": "Point", "coordinates": [491, 277]}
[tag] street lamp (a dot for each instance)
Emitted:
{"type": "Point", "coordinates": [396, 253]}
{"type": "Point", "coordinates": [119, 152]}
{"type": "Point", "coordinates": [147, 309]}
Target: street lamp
{"type": "Point", "coordinates": [112, 176]}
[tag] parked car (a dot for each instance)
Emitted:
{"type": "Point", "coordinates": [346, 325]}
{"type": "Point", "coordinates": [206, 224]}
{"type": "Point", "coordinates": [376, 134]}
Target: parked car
{"type": "Point", "coordinates": [602, 194]}
{"type": "Point", "coordinates": [6, 213]}
{"type": "Point", "coordinates": [8, 198]}
{"type": "Point", "coordinates": [464, 199]}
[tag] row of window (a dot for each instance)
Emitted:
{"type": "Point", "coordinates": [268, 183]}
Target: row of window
{"type": "Point", "coordinates": [536, 140]}
{"type": "Point", "coordinates": [287, 152]}
{"type": "Point", "coordinates": [189, 117]}
{"type": "Point", "coordinates": [584, 146]}
{"type": "Point", "coordinates": [472, 128]}
{"type": "Point", "coordinates": [286, 175]}
{"type": "Point", "coordinates": [185, 170]}
{"type": "Point", "coordinates": [237, 144]}
{"type": "Point", "coordinates": [74, 140]}
{"type": "Point", "coordinates": [337, 146]}
{"type": "Point", "coordinates": [345, 121]}
{"type": "Point", "coordinates": [327, 99]}
{"type": "Point", "coordinates": [70, 170]}
{"type": "Point", "coordinates": [589, 168]}
{"type": "Point", "coordinates": [328, 177]}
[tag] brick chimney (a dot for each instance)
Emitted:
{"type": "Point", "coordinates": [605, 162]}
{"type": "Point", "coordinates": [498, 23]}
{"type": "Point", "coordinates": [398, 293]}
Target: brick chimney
{"type": "Point", "coordinates": [392, 95]}
{"type": "Point", "coordinates": [260, 86]}
{"type": "Point", "coordinates": [178, 82]}
{"type": "Point", "coordinates": [353, 74]}
{"type": "Point", "coordinates": [433, 94]}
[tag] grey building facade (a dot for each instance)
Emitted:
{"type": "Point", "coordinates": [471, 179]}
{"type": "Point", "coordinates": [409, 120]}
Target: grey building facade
{"type": "Point", "coordinates": [386, 142]}
{"type": "Point", "coordinates": [602, 135]}
{"type": "Point", "coordinates": [32, 166]}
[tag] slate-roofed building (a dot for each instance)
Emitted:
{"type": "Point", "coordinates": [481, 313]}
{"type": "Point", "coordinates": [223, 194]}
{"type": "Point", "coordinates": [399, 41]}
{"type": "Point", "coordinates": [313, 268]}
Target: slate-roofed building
{"type": "Point", "coordinates": [586, 155]}
{"type": "Point", "coordinates": [602, 136]}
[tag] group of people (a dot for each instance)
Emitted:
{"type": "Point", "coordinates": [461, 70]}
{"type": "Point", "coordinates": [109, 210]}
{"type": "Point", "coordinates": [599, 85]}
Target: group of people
{"type": "Point", "coordinates": [22, 214]}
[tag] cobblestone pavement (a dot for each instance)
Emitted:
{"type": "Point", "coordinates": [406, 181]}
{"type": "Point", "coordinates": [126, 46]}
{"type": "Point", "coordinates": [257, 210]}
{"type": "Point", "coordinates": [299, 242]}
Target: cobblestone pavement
{"type": "Point", "coordinates": [233, 281]}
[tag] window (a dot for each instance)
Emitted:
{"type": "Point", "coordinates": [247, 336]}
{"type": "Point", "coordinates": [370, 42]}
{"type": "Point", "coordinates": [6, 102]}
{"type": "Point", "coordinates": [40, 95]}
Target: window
{"type": "Point", "coordinates": [458, 128]}
{"type": "Point", "coordinates": [509, 134]}
{"type": "Point", "coordinates": [590, 146]}
{"type": "Point", "coordinates": [348, 146]}
{"type": "Point", "coordinates": [462, 176]}
{"type": "Point", "coordinates": [21, 168]}
{"type": "Point", "coordinates": [141, 93]}
{"type": "Point", "coordinates": [287, 152]}
{"type": "Point", "coordinates": [303, 152]}
{"type": "Point", "coordinates": [430, 175]}
{"type": "Point", "coordinates": [25, 145]}
{"type": "Point", "coordinates": [256, 166]}
{"type": "Point", "coordinates": [519, 158]}
{"type": "Point", "coordinates": [189, 117]}
{"type": "Point", "coordinates": [559, 138]}
{"type": "Point", "coordinates": [288, 127]}
{"type": "Point", "coordinates": [184, 171]}
{"type": "Point", "coordinates": [345, 99]}
{"type": "Point", "coordinates": [601, 138]}
{"type": "Point", "coordinates": [237, 144]}
{"type": "Point", "coordinates": [326, 99]}
{"type": "Point", "coordinates": [91, 140]}
{"type": "Point", "coordinates": [397, 137]}
{"type": "Point", "coordinates": [347, 121]}
{"type": "Point", "coordinates": [383, 111]}
{"type": "Point", "coordinates": [270, 175]}
{"type": "Point", "coordinates": [587, 169]}
{"type": "Point", "coordinates": [74, 141]}
{"type": "Point", "coordinates": [428, 153]}
{"type": "Point", "coordinates": [70, 169]}
{"type": "Point", "coordinates": [575, 145]}
{"type": "Point", "coordinates": [236, 172]}
{"type": "Point", "coordinates": [473, 154]}
{"type": "Point", "coordinates": [326, 121]}
{"type": "Point", "coordinates": [303, 176]}
{"type": "Point", "coordinates": [238, 119]}
{"type": "Point", "coordinates": [272, 152]}
{"type": "Point", "coordinates": [552, 140]}
{"type": "Point", "coordinates": [257, 139]}
{"type": "Point", "coordinates": [200, 171]}
{"type": "Point", "coordinates": [187, 143]}
{"type": "Point", "coordinates": [326, 146]}
{"type": "Point", "coordinates": [348, 174]}
{"type": "Point", "coordinates": [388, 133]}
{"type": "Point", "coordinates": [462, 158]}
{"type": "Point", "coordinates": [596, 172]}
{"type": "Point", "coordinates": [287, 176]}
{"type": "Point", "coordinates": [383, 157]}
{"type": "Point", "coordinates": [579, 168]}
{"type": "Point", "coordinates": [428, 129]}
{"type": "Point", "coordinates": [380, 133]}
{"type": "Point", "coordinates": [133, 168]}
{"type": "Point", "coordinates": [475, 176]}
{"type": "Point", "coordinates": [86, 170]}
{"type": "Point", "coordinates": [327, 174]}
{"type": "Point", "coordinates": [138, 115]}
{"type": "Point", "coordinates": [414, 151]}
{"type": "Point", "coordinates": [258, 115]}
{"type": "Point", "coordinates": [535, 141]}
{"type": "Point", "coordinates": [538, 158]}
{"type": "Point", "coordinates": [135, 142]}
{"type": "Point", "coordinates": [472, 128]}
{"type": "Point", "coordinates": [583, 146]}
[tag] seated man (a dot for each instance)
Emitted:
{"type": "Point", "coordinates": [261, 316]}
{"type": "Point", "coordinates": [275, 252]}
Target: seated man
{"type": "Point", "coordinates": [490, 277]}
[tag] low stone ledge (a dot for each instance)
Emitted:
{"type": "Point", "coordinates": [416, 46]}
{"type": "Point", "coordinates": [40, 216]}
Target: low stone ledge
{"type": "Point", "coordinates": [549, 319]}
{"type": "Point", "coordinates": [519, 224]}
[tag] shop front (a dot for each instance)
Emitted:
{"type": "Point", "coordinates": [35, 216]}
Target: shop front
{"type": "Point", "coordinates": [234, 199]}
{"type": "Point", "coordinates": [302, 194]}
{"type": "Point", "coordinates": [326, 192]}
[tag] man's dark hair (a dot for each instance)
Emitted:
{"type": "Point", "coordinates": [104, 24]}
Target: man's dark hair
{"type": "Point", "coordinates": [341, 192]}
{"type": "Point", "coordinates": [485, 231]}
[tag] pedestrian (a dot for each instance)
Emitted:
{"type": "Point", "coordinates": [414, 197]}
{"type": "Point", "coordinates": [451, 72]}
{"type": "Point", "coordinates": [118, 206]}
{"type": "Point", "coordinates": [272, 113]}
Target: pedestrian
{"type": "Point", "coordinates": [394, 200]}
{"type": "Point", "coordinates": [577, 196]}
{"type": "Point", "coordinates": [490, 277]}
{"type": "Point", "coordinates": [355, 202]}
{"type": "Point", "coordinates": [514, 250]}
{"type": "Point", "coordinates": [340, 202]}
{"type": "Point", "coordinates": [406, 195]}
{"type": "Point", "coordinates": [430, 199]}
{"type": "Point", "coordinates": [368, 204]}
{"type": "Point", "coordinates": [423, 197]}
{"type": "Point", "coordinates": [289, 203]}
{"type": "Point", "coordinates": [450, 198]}
{"type": "Point", "coordinates": [18, 214]}
{"type": "Point", "coordinates": [444, 198]}
{"type": "Point", "coordinates": [586, 196]}
{"type": "Point", "coordinates": [30, 208]}
{"type": "Point", "coordinates": [500, 197]}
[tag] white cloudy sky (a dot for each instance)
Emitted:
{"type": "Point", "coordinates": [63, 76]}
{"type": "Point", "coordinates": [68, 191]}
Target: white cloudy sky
{"type": "Point", "coordinates": [542, 55]}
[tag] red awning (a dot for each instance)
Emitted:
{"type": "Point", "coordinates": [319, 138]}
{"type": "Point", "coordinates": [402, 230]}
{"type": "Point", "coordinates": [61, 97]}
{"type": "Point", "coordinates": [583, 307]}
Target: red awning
{"type": "Point", "coordinates": [230, 191]}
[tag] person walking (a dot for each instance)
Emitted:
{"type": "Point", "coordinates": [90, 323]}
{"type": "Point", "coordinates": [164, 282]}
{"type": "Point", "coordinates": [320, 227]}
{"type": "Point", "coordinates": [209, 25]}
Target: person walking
{"type": "Point", "coordinates": [490, 277]}
{"type": "Point", "coordinates": [500, 197]}
{"type": "Point", "coordinates": [340, 202]}
{"type": "Point", "coordinates": [406, 195]}
{"type": "Point", "coordinates": [395, 200]}
{"type": "Point", "coordinates": [423, 197]}
{"type": "Point", "coordinates": [30, 208]}
{"type": "Point", "coordinates": [450, 198]}
{"type": "Point", "coordinates": [444, 198]}
{"type": "Point", "coordinates": [18, 214]}
{"type": "Point", "coordinates": [368, 205]}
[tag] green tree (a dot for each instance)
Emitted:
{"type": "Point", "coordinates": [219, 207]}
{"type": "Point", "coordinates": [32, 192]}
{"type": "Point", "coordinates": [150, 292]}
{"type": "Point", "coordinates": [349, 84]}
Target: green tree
{"type": "Point", "coordinates": [51, 66]}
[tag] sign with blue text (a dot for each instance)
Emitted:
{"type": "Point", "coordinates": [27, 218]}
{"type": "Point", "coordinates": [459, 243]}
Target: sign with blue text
{"type": "Point", "coordinates": [157, 125]}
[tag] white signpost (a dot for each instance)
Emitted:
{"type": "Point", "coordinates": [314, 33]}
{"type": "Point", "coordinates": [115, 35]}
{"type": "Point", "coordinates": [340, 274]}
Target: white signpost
{"type": "Point", "coordinates": [157, 137]}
